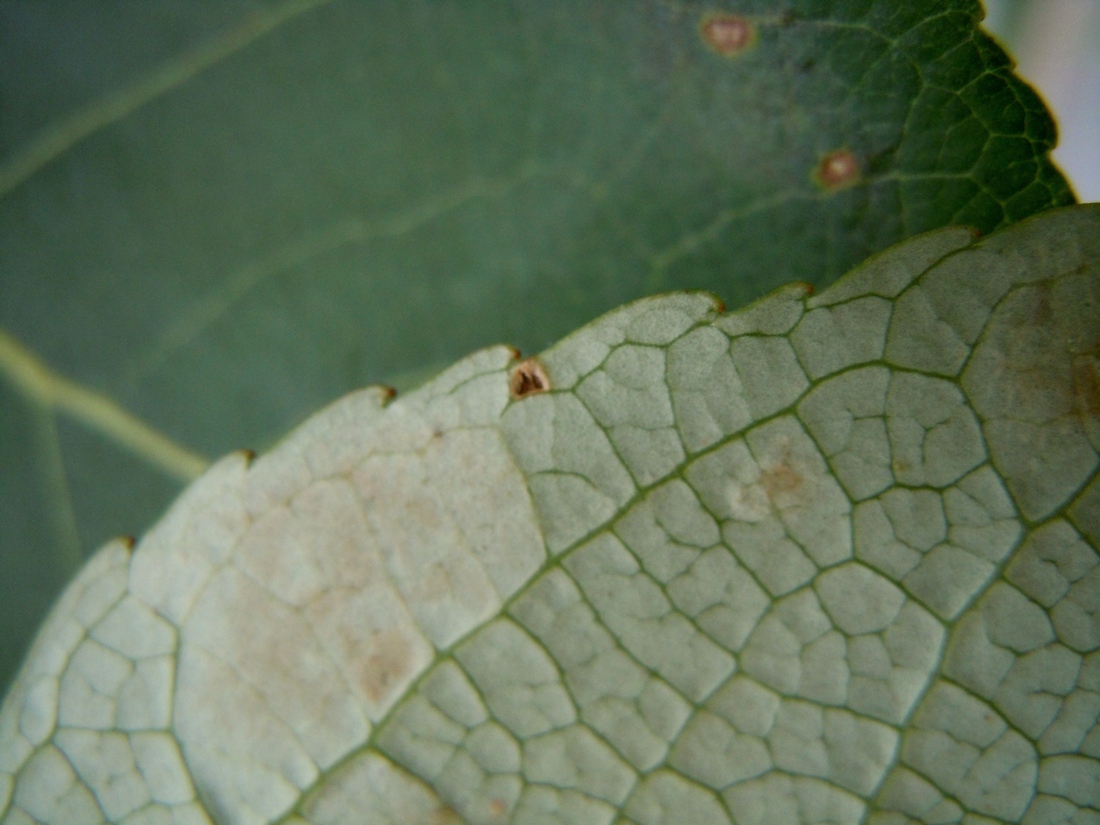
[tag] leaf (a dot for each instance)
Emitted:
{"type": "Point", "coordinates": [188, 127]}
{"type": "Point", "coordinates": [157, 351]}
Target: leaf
{"type": "Point", "coordinates": [828, 558]}
{"type": "Point", "coordinates": [218, 218]}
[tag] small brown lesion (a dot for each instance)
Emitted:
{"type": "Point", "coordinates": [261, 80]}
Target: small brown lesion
{"type": "Point", "coordinates": [781, 479]}
{"type": "Point", "coordinates": [837, 170]}
{"type": "Point", "coordinates": [528, 378]}
{"type": "Point", "coordinates": [445, 816]}
{"type": "Point", "coordinates": [727, 34]}
{"type": "Point", "coordinates": [1086, 387]}
{"type": "Point", "coordinates": [387, 666]}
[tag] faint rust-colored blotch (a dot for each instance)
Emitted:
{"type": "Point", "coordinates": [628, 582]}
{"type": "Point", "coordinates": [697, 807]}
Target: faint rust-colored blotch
{"type": "Point", "coordinates": [837, 169]}
{"type": "Point", "coordinates": [727, 34]}
{"type": "Point", "coordinates": [1086, 389]}
{"type": "Point", "coordinates": [528, 377]}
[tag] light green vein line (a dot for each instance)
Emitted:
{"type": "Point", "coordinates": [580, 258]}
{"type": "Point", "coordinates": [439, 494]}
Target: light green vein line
{"type": "Point", "coordinates": [354, 230]}
{"type": "Point", "coordinates": [691, 242]}
{"type": "Point", "coordinates": [60, 515]}
{"type": "Point", "coordinates": [62, 136]}
{"type": "Point", "coordinates": [96, 411]}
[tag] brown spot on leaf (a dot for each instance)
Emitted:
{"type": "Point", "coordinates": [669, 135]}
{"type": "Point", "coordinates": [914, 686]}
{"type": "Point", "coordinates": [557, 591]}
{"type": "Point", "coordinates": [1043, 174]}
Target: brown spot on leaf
{"type": "Point", "coordinates": [528, 377]}
{"type": "Point", "coordinates": [1036, 359]}
{"type": "Point", "coordinates": [387, 666]}
{"type": "Point", "coordinates": [435, 585]}
{"type": "Point", "coordinates": [1038, 311]}
{"type": "Point", "coordinates": [1086, 388]}
{"type": "Point", "coordinates": [727, 34]}
{"type": "Point", "coordinates": [781, 480]}
{"type": "Point", "coordinates": [837, 170]}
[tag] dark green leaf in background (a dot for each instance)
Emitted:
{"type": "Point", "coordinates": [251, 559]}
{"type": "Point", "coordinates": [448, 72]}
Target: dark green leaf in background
{"type": "Point", "coordinates": [221, 216]}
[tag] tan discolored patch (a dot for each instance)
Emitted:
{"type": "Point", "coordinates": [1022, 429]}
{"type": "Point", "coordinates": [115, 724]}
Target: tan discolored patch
{"type": "Point", "coordinates": [1086, 392]}
{"type": "Point", "coordinates": [781, 480]}
{"type": "Point", "coordinates": [387, 666]}
{"type": "Point", "coordinates": [900, 466]}
{"type": "Point", "coordinates": [727, 34]}
{"type": "Point", "coordinates": [1086, 384]}
{"type": "Point", "coordinates": [779, 486]}
{"type": "Point", "coordinates": [435, 584]}
{"type": "Point", "coordinates": [528, 378]}
{"type": "Point", "coordinates": [1034, 381]}
{"type": "Point", "coordinates": [446, 816]}
{"type": "Point", "coordinates": [1040, 359]}
{"type": "Point", "coordinates": [837, 170]}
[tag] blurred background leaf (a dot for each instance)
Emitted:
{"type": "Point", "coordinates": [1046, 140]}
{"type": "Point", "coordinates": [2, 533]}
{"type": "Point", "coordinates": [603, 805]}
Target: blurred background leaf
{"type": "Point", "coordinates": [216, 217]}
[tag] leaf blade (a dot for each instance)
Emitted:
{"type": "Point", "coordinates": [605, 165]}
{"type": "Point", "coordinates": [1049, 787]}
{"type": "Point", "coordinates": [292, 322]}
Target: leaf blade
{"type": "Point", "coordinates": [418, 602]}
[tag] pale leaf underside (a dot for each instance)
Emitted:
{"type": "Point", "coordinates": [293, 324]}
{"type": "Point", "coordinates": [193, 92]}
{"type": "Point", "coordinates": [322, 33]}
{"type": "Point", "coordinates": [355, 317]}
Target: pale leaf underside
{"type": "Point", "coordinates": [824, 559]}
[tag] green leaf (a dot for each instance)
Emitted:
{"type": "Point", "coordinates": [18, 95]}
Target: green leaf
{"type": "Point", "coordinates": [828, 558]}
{"type": "Point", "coordinates": [219, 218]}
